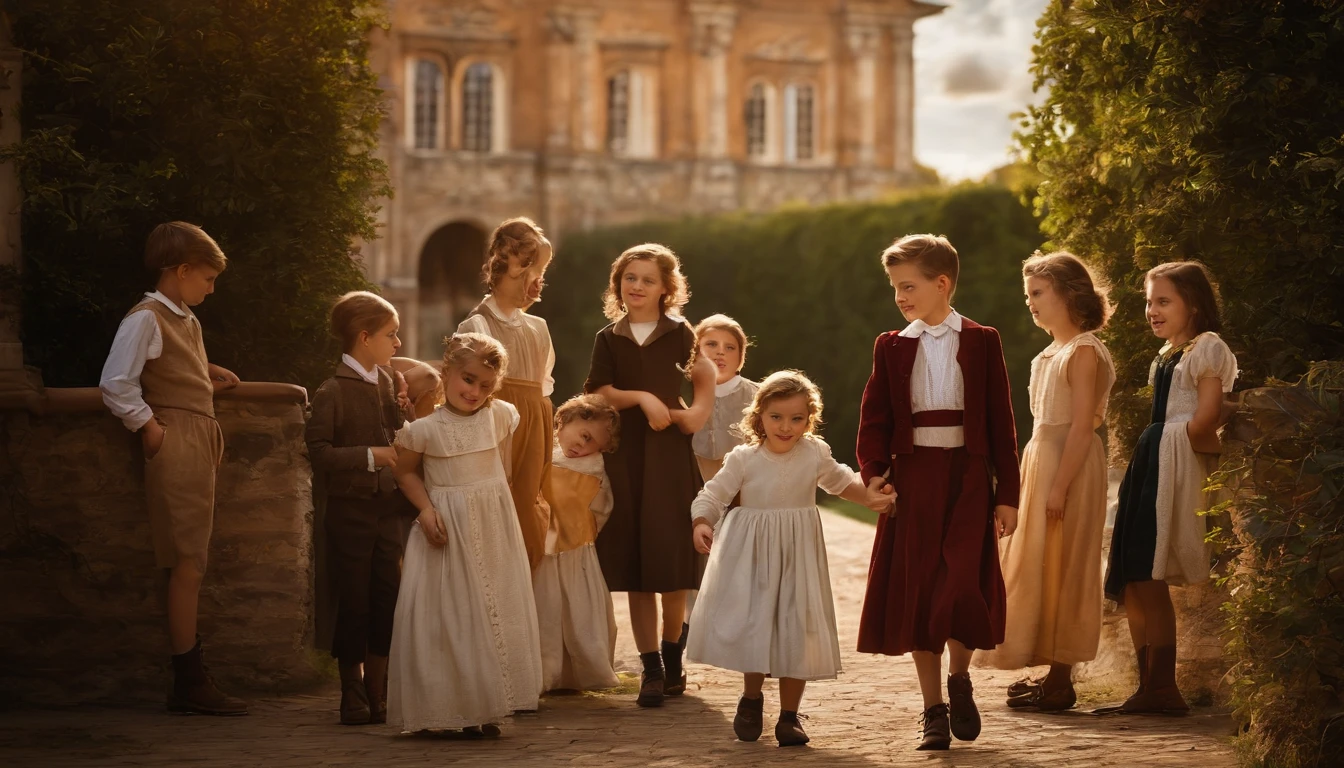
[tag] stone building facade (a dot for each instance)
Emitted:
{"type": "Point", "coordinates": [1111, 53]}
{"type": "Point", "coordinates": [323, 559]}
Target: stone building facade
{"type": "Point", "coordinates": [584, 113]}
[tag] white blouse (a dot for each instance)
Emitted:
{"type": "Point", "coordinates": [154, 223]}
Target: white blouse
{"type": "Point", "coordinates": [935, 382]}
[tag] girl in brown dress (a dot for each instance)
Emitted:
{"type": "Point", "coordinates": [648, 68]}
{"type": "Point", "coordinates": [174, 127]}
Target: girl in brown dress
{"type": "Point", "coordinates": [639, 364]}
{"type": "Point", "coordinates": [516, 262]}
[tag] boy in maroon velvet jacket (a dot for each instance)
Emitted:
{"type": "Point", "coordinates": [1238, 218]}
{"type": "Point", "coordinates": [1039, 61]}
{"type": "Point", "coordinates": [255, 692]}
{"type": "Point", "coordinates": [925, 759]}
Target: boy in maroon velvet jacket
{"type": "Point", "coordinates": [937, 421]}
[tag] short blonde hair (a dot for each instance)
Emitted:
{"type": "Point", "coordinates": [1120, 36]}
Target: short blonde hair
{"type": "Point", "coordinates": [777, 385]}
{"type": "Point", "coordinates": [520, 237]}
{"type": "Point", "coordinates": [175, 243]}
{"type": "Point", "coordinates": [591, 408]}
{"type": "Point", "coordinates": [461, 349]}
{"type": "Point", "coordinates": [359, 312]}
{"type": "Point", "coordinates": [720, 323]}
{"type": "Point", "coordinates": [678, 291]}
{"type": "Point", "coordinates": [932, 254]}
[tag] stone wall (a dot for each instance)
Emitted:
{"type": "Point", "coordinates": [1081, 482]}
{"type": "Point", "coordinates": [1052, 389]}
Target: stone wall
{"type": "Point", "coordinates": [81, 615]}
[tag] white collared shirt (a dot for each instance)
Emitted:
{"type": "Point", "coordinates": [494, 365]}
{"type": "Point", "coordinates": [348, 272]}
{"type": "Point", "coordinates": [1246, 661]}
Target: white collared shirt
{"type": "Point", "coordinates": [642, 331]}
{"type": "Point", "coordinates": [372, 378]}
{"type": "Point", "coordinates": [728, 387]}
{"type": "Point", "coordinates": [936, 382]}
{"type": "Point", "coordinates": [138, 340]}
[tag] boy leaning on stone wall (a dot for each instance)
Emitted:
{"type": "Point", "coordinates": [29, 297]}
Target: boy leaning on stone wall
{"type": "Point", "coordinates": [158, 381]}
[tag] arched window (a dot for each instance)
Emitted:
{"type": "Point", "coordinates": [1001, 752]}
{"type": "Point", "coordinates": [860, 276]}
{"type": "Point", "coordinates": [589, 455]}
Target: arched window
{"type": "Point", "coordinates": [799, 123]}
{"type": "Point", "coordinates": [426, 102]}
{"type": "Point", "coordinates": [632, 113]}
{"type": "Point", "coordinates": [757, 116]}
{"type": "Point", "coordinates": [478, 104]}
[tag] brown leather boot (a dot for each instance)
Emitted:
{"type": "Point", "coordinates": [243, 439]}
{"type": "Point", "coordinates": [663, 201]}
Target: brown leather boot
{"type": "Point", "coordinates": [789, 730]}
{"type": "Point", "coordinates": [651, 680]}
{"type": "Point", "coordinates": [1160, 695]}
{"type": "Point", "coordinates": [937, 729]}
{"type": "Point", "coordinates": [965, 715]}
{"type": "Point", "coordinates": [375, 687]}
{"type": "Point", "coordinates": [354, 700]}
{"type": "Point", "coordinates": [194, 691]}
{"type": "Point", "coordinates": [750, 719]}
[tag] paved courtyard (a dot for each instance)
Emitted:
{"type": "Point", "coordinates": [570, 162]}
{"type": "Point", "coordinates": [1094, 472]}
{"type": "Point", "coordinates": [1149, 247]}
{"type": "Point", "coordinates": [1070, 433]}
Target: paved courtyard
{"type": "Point", "coordinates": [867, 717]}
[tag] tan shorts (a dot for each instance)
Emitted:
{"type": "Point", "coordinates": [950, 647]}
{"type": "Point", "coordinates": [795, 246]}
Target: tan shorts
{"type": "Point", "coordinates": [180, 487]}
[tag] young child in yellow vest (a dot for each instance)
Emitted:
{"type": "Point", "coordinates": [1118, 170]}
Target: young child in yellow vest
{"type": "Point", "coordinates": [158, 381]}
{"type": "Point", "coordinates": [574, 610]}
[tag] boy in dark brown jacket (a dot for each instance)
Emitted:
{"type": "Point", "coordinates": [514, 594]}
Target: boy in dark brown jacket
{"type": "Point", "coordinates": [356, 414]}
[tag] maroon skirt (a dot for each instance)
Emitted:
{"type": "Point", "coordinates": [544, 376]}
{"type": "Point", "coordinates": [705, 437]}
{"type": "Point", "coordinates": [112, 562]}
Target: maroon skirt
{"type": "Point", "coordinates": [935, 573]}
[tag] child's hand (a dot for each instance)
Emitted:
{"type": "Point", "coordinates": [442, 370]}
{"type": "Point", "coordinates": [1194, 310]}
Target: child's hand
{"type": "Point", "coordinates": [432, 526]}
{"type": "Point", "coordinates": [703, 536]}
{"type": "Point", "coordinates": [222, 378]}
{"type": "Point", "coordinates": [879, 496]}
{"type": "Point", "coordinates": [1005, 520]}
{"type": "Point", "coordinates": [403, 391]}
{"type": "Point", "coordinates": [384, 456]}
{"type": "Point", "coordinates": [1054, 504]}
{"type": "Point", "coordinates": [656, 412]}
{"type": "Point", "coordinates": [151, 437]}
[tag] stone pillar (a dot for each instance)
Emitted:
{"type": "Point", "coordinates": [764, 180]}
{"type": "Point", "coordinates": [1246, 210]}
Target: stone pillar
{"type": "Point", "coordinates": [17, 383]}
{"type": "Point", "coordinates": [712, 35]}
{"type": "Point", "coordinates": [903, 43]}
{"type": "Point", "coordinates": [560, 79]}
{"type": "Point", "coordinates": [587, 75]}
{"type": "Point", "coordinates": [863, 40]}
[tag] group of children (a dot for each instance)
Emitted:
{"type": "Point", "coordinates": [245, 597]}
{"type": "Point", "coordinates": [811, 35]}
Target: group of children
{"type": "Point", "coordinates": [474, 537]}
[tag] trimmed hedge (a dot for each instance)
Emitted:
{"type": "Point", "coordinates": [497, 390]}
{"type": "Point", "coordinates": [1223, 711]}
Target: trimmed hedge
{"type": "Point", "coordinates": [254, 119]}
{"type": "Point", "coordinates": [807, 287]}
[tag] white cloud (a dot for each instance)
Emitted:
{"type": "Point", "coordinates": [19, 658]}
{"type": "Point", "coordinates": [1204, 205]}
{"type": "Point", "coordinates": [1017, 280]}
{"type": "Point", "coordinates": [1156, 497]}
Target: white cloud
{"type": "Point", "coordinates": [971, 73]}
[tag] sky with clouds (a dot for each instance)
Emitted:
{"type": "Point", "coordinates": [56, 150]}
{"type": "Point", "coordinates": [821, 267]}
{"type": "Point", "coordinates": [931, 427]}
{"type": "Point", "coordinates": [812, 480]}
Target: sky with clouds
{"type": "Point", "coordinates": [971, 73]}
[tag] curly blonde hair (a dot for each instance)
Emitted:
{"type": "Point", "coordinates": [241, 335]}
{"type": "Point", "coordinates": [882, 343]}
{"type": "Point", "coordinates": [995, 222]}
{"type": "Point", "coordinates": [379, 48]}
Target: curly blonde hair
{"type": "Point", "coordinates": [1084, 293]}
{"type": "Point", "coordinates": [780, 384]}
{"type": "Point", "coordinates": [677, 290]}
{"type": "Point", "coordinates": [517, 237]}
{"type": "Point", "coordinates": [591, 408]}
{"type": "Point", "coordinates": [461, 349]}
{"type": "Point", "coordinates": [719, 323]}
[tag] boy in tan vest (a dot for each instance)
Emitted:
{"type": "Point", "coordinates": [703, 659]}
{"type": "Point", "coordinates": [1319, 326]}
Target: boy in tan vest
{"type": "Point", "coordinates": [158, 382]}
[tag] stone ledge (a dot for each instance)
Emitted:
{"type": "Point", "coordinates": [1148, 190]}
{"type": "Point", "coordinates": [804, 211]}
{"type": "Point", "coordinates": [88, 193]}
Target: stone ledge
{"type": "Point", "coordinates": [90, 399]}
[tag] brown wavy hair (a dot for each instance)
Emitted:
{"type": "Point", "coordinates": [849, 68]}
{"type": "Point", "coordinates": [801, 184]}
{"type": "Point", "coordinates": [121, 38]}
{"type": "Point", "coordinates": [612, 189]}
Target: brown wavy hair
{"type": "Point", "coordinates": [778, 385]}
{"type": "Point", "coordinates": [1198, 290]}
{"type": "Point", "coordinates": [719, 323]}
{"type": "Point", "coordinates": [460, 349]}
{"type": "Point", "coordinates": [591, 408]}
{"type": "Point", "coordinates": [1084, 293]}
{"type": "Point", "coordinates": [677, 290]}
{"type": "Point", "coordinates": [933, 254]}
{"type": "Point", "coordinates": [359, 312]}
{"type": "Point", "coordinates": [517, 237]}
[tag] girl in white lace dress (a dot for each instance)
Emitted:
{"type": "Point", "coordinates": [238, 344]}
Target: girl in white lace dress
{"type": "Point", "coordinates": [465, 647]}
{"type": "Point", "coordinates": [765, 604]}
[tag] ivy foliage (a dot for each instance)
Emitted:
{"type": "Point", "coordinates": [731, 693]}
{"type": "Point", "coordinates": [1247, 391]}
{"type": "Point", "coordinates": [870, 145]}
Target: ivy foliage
{"type": "Point", "coordinates": [256, 119]}
{"type": "Point", "coordinates": [1205, 129]}
{"type": "Point", "coordinates": [808, 287]}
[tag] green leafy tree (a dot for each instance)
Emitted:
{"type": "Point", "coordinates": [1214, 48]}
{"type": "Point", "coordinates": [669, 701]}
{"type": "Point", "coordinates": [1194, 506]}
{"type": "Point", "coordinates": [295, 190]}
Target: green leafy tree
{"type": "Point", "coordinates": [1205, 129]}
{"type": "Point", "coordinates": [807, 286]}
{"type": "Point", "coordinates": [253, 118]}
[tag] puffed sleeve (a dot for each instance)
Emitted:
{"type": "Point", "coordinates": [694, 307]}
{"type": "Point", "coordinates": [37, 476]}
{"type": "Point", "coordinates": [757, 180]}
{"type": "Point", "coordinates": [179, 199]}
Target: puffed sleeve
{"type": "Point", "coordinates": [719, 492]}
{"type": "Point", "coordinates": [602, 503]}
{"type": "Point", "coordinates": [506, 417]}
{"type": "Point", "coordinates": [1211, 358]}
{"type": "Point", "coordinates": [832, 476]}
{"type": "Point", "coordinates": [602, 368]}
{"type": "Point", "coordinates": [414, 436]}
{"type": "Point", "coordinates": [474, 324]}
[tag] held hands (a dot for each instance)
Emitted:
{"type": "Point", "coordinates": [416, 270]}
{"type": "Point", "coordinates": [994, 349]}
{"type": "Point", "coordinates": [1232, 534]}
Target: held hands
{"type": "Point", "coordinates": [1054, 504]}
{"type": "Point", "coordinates": [1005, 520]}
{"type": "Point", "coordinates": [151, 437]}
{"type": "Point", "coordinates": [703, 536]}
{"type": "Point", "coordinates": [384, 456]}
{"type": "Point", "coordinates": [432, 526]}
{"type": "Point", "coordinates": [879, 496]}
{"type": "Point", "coordinates": [656, 412]}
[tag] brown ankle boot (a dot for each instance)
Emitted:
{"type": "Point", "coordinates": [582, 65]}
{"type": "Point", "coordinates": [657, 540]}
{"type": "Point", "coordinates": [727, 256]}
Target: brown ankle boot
{"type": "Point", "coordinates": [1160, 695]}
{"type": "Point", "coordinates": [750, 718]}
{"type": "Point", "coordinates": [194, 691]}
{"type": "Point", "coordinates": [789, 729]}
{"type": "Point", "coordinates": [375, 687]}
{"type": "Point", "coordinates": [937, 729]}
{"type": "Point", "coordinates": [961, 701]}
{"type": "Point", "coordinates": [354, 701]}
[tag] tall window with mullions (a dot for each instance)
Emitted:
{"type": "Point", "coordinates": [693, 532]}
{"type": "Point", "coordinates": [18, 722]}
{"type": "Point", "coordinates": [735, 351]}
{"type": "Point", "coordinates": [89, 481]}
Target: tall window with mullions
{"type": "Point", "coordinates": [618, 112]}
{"type": "Point", "coordinates": [477, 107]}
{"type": "Point", "coordinates": [756, 121]}
{"type": "Point", "coordinates": [428, 89]}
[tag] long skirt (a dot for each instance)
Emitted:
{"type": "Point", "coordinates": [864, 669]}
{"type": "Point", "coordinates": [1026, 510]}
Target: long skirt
{"type": "Point", "coordinates": [1052, 568]}
{"type": "Point", "coordinates": [531, 456]}
{"type": "Point", "coordinates": [934, 574]}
